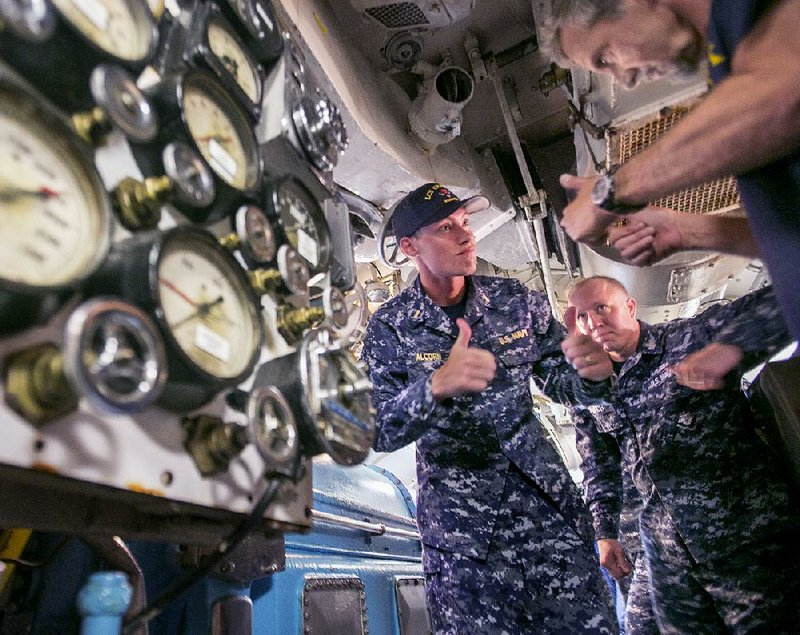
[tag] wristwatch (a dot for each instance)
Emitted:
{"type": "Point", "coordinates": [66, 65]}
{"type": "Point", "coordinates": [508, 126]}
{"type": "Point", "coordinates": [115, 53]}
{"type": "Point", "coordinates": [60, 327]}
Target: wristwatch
{"type": "Point", "coordinates": [603, 196]}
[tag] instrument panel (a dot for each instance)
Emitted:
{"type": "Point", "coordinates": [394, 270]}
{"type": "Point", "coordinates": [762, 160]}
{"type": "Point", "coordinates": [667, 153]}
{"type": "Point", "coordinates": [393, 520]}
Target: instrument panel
{"type": "Point", "coordinates": [156, 260]}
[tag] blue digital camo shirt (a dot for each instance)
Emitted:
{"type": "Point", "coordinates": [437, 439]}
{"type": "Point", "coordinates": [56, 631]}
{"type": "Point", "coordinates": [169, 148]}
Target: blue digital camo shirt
{"type": "Point", "coordinates": [465, 444]}
{"type": "Point", "coordinates": [608, 488]}
{"type": "Point", "coordinates": [693, 454]}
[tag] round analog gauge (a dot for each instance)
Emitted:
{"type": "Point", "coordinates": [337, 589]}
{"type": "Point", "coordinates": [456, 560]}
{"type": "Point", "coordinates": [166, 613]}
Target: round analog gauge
{"type": "Point", "coordinates": [258, 17]}
{"type": "Point", "coordinates": [234, 58]}
{"type": "Point", "coordinates": [193, 181]}
{"type": "Point", "coordinates": [222, 132]}
{"type": "Point", "coordinates": [56, 215]}
{"type": "Point", "coordinates": [124, 29]}
{"type": "Point", "coordinates": [303, 222]}
{"type": "Point", "coordinates": [206, 304]}
{"type": "Point", "coordinates": [255, 233]}
{"type": "Point", "coordinates": [31, 19]}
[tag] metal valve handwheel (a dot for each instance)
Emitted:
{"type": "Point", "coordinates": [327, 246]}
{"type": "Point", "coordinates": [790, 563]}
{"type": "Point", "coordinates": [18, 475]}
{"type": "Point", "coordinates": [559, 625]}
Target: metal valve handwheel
{"type": "Point", "coordinates": [389, 251]}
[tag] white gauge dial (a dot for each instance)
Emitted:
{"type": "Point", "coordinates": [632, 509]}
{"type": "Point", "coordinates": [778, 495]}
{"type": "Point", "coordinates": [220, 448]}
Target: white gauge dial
{"type": "Point", "coordinates": [55, 220]}
{"type": "Point", "coordinates": [303, 221]}
{"type": "Point", "coordinates": [217, 137]}
{"type": "Point", "coordinates": [206, 307]}
{"type": "Point", "coordinates": [122, 28]}
{"type": "Point", "coordinates": [235, 59]}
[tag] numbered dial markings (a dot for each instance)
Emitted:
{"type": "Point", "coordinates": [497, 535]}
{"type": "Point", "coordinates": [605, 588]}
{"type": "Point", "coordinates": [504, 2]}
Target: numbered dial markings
{"type": "Point", "coordinates": [207, 308]}
{"type": "Point", "coordinates": [304, 223]}
{"type": "Point", "coordinates": [56, 219]}
{"type": "Point", "coordinates": [222, 134]}
{"type": "Point", "coordinates": [122, 28]}
{"type": "Point", "coordinates": [235, 58]}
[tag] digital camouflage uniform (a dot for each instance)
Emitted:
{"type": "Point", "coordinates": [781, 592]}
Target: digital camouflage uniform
{"type": "Point", "coordinates": [717, 514]}
{"type": "Point", "coordinates": [508, 541]}
{"type": "Point", "coordinates": [615, 504]}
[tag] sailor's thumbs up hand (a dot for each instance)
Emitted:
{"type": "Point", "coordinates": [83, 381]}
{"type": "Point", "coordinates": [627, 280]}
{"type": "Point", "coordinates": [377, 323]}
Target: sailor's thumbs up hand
{"type": "Point", "coordinates": [467, 369]}
{"type": "Point", "coordinates": [584, 354]}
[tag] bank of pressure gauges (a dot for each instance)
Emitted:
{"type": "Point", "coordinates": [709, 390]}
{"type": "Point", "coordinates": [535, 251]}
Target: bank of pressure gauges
{"type": "Point", "coordinates": [197, 110]}
{"type": "Point", "coordinates": [330, 397]}
{"type": "Point", "coordinates": [202, 302]}
{"type": "Point", "coordinates": [302, 220]}
{"type": "Point", "coordinates": [320, 128]}
{"type": "Point", "coordinates": [112, 355]}
{"type": "Point", "coordinates": [330, 307]}
{"type": "Point", "coordinates": [214, 44]}
{"type": "Point", "coordinates": [56, 44]}
{"type": "Point", "coordinates": [258, 25]}
{"type": "Point", "coordinates": [120, 104]}
{"type": "Point", "coordinates": [56, 215]}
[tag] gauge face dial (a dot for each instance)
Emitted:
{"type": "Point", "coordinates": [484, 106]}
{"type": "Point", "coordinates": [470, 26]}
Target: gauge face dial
{"type": "Point", "coordinates": [206, 305]}
{"type": "Point", "coordinates": [255, 233]}
{"type": "Point", "coordinates": [222, 133]}
{"type": "Point", "coordinates": [56, 217]}
{"type": "Point", "coordinates": [122, 28]}
{"type": "Point", "coordinates": [304, 223]}
{"type": "Point", "coordinates": [234, 58]}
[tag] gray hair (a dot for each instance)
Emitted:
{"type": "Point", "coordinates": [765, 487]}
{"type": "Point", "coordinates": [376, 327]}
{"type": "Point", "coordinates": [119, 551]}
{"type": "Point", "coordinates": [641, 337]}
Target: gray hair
{"type": "Point", "coordinates": [553, 15]}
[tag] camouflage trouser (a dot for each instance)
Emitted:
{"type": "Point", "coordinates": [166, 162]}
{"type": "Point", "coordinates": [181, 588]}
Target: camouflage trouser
{"type": "Point", "coordinates": [755, 589]}
{"type": "Point", "coordinates": [540, 576]}
{"type": "Point", "coordinates": [639, 617]}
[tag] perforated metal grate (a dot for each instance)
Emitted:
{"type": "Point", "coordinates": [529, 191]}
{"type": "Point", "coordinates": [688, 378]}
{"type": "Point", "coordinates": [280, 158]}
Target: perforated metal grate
{"type": "Point", "coordinates": [709, 197]}
{"type": "Point", "coordinates": [399, 15]}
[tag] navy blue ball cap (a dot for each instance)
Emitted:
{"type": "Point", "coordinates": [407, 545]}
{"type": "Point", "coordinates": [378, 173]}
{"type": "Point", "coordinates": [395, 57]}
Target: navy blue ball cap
{"type": "Point", "coordinates": [428, 204]}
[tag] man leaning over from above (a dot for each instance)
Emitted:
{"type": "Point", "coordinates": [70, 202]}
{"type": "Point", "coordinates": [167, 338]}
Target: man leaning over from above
{"type": "Point", "coordinates": [719, 526]}
{"type": "Point", "coordinates": [748, 125]}
{"type": "Point", "coordinates": [508, 546]}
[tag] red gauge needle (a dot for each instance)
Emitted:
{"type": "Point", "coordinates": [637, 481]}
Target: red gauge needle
{"type": "Point", "coordinates": [216, 137]}
{"type": "Point", "coordinates": [177, 291]}
{"type": "Point", "coordinates": [8, 194]}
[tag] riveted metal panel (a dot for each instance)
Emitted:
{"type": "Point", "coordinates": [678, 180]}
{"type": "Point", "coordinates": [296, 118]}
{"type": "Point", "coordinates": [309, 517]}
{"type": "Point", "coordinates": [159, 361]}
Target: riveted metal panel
{"type": "Point", "coordinates": [334, 606]}
{"type": "Point", "coordinates": [412, 607]}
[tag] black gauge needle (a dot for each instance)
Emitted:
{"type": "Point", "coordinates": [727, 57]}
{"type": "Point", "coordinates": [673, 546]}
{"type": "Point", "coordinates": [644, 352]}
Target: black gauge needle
{"type": "Point", "coordinates": [202, 311]}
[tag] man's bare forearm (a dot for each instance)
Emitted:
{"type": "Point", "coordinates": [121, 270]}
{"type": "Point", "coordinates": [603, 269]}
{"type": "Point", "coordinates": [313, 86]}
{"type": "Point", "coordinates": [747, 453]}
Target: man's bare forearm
{"type": "Point", "coordinates": [728, 234]}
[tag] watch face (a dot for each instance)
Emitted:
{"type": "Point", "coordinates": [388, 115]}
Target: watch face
{"type": "Point", "coordinates": [603, 190]}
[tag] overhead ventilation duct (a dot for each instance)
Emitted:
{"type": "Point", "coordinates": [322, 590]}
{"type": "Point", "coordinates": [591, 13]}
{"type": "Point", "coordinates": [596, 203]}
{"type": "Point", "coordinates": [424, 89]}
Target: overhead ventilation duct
{"type": "Point", "coordinates": [678, 285]}
{"type": "Point", "coordinates": [435, 115]}
{"type": "Point", "coordinates": [625, 142]}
